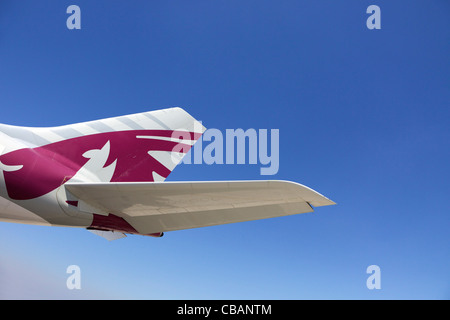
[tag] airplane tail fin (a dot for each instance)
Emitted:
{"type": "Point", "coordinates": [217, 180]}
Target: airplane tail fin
{"type": "Point", "coordinates": [143, 147]}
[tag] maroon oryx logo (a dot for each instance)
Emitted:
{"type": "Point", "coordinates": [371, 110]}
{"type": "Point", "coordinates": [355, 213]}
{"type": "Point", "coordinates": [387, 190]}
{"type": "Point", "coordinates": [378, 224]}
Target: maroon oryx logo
{"type": "Point", "coordinates": [122, 156]}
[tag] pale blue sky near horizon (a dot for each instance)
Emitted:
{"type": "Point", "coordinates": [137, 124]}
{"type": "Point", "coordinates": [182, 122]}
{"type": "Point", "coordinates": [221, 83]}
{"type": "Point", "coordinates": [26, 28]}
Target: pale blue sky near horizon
{"type": "Point", "coordinates": [363, 117]}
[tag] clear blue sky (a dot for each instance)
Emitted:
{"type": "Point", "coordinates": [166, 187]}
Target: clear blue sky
{"type": "Point", "coordinates": [363, 117]}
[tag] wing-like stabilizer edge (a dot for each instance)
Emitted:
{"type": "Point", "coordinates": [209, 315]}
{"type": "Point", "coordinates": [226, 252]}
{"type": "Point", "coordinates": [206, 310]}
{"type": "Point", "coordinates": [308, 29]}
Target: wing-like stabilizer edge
{"type": "Point", "coordinates": [167, 206]}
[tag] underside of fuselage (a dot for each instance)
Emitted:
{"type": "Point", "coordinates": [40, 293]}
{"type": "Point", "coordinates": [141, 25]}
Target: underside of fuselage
{"type": "Point", "coordinates": [11, 212]}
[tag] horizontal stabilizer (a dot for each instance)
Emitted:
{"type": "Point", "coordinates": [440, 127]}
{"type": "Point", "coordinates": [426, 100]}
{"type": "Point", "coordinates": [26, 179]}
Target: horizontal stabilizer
{"type": "Point", "coordinates": [157, 207]}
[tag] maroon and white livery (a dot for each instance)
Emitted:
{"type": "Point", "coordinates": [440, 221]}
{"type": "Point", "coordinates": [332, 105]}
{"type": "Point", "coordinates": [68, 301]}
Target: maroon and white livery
{"type": "Point", "coordinates": [108, 176]}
